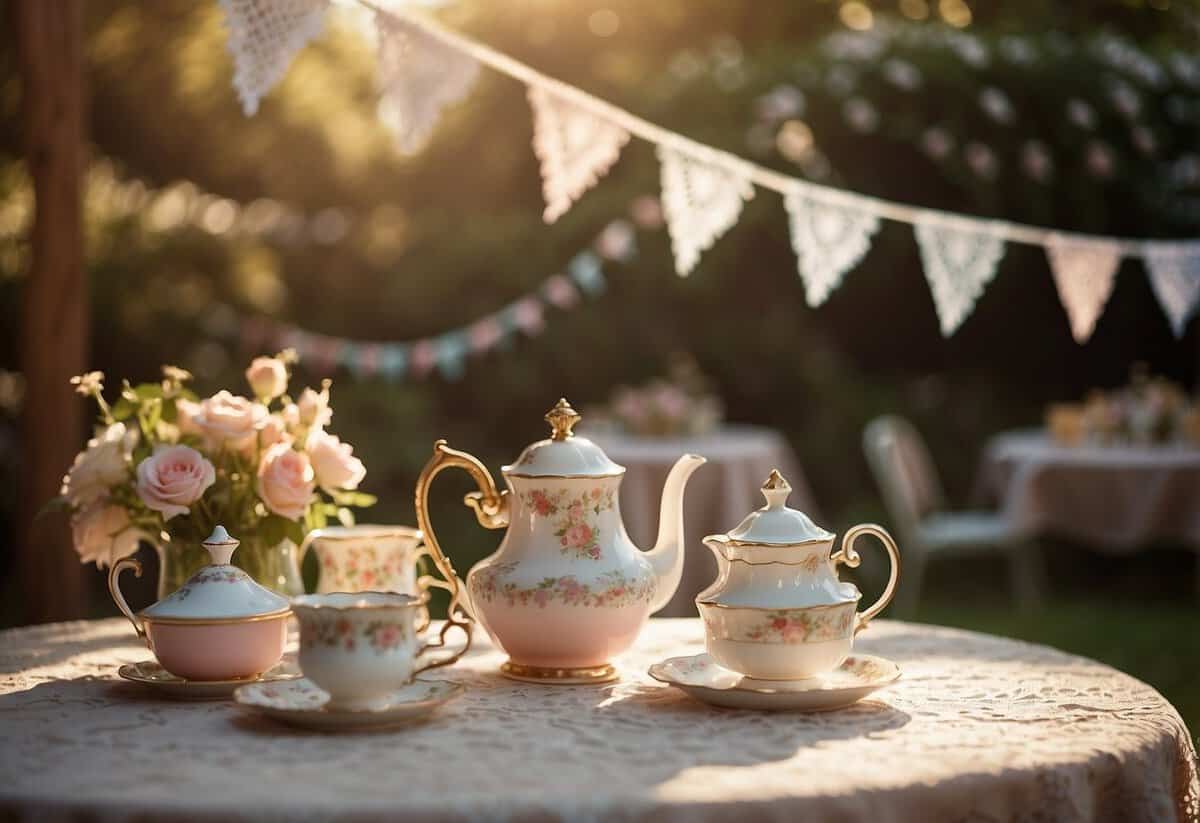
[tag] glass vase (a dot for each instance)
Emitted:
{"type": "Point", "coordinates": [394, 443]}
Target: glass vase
{"type": "Point", "coordinates": [273, 566]}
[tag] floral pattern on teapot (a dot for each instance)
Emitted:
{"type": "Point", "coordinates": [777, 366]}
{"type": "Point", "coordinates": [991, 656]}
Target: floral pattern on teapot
{"type": "Point", "coordinates": [575, 516]}
{"type": "Point", "coordinates": [612, 589]}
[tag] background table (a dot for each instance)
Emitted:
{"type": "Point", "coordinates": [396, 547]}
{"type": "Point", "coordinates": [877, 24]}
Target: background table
{"type": "Point", "coordinates": [977, 728]}
{"type": "Point", "coordinates": [1117, 498]}
{"type": "Point", "coordinates": [718, 495]}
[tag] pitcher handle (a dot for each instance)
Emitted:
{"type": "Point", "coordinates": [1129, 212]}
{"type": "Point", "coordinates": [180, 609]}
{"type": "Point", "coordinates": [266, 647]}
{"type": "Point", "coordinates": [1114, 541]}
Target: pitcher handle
{"type": "Point", "coordinates": [491, 509]}
{"type": "Point", "coordinates": [850, 557]}
{"type": "Point", "coordinates": [305, 543]}
{"type": "Point", "coordinates": [114, 588]}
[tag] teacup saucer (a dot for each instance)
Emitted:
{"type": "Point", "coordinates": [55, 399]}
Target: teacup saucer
{"type": "Point", "coordinates": [153, 676]}
{"type": "Point", "coordinates": [301, 703]}
{"type": "Point", "coordinates": [700, 677]}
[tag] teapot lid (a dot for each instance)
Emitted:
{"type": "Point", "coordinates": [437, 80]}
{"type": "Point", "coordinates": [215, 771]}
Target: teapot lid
{"type": "Point", "coordinates": [218, 591]}
{"type": "Point", "coordinates": [776, 524]}
{"type": "Point", "coordinates": [564, 454]}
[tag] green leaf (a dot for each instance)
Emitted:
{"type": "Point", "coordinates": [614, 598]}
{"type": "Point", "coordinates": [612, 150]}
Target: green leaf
{"type": "Point", "coordinates": [148, 391]}
{"type": "Point", "coordinates": [123, 409]}
{"type": "Point", "coordinates": [348, 498]}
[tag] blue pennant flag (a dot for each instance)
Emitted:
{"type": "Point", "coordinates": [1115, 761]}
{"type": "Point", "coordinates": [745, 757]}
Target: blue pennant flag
{"type": "Point", "coordinates": [585, 270]}
{"type": "Point", "coordinates": [451, 352]}
{"type": "Point", "coordinates": [393, 361]}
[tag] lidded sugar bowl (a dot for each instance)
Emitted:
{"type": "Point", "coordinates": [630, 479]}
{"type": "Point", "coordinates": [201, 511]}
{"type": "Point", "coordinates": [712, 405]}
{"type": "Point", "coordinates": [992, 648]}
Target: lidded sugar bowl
{"type": "Point", "coordinates": [777, 610]}
{"type": "Point", "coordinates": [219, 625]}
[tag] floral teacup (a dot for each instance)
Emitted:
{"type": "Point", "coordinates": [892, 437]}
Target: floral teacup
{"type": "Point", "coordinates": [361, 648]}
{"type": "Point", "coordinates": [367, 558]}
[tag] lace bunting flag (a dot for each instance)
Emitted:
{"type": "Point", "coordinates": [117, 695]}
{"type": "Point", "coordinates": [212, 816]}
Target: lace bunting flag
{"type": "Point", "coordinates": [959, 261]}
{"type": "Point", "coordinates": [575, 149]}
{"type": "Point", "coordinates": [264, 36]}
{"type": "Point", "coordinates": [700, 203]}
{"type": "Point", "coordinates": [1174, 270]}
{"type": "Point", "coordinates": [1084, 273]}
{"type": "Point", "coordinates": [830, 234]}
{"type": "Point", "coordinates": [418, 76]}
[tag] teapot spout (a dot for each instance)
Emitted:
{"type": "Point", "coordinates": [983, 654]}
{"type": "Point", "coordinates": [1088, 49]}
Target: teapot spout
{"type": "Point", "coordinates": [667, 555]}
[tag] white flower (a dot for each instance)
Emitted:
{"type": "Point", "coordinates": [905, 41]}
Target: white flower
{"type": "Point", "coordinates": [902, 74]}
{"type": "Point", "coordinates": [102, 534]}
{"type": "Point", "coordinates": [1081, 114]}
{"type": "Point", "coordinates": [860, 114]}
{"type": "Point", "coordinates": [997, 105]}
{"type": "Point", "coordinates": [334, 462]}
{"type": "Point", "coordinates": [100, 466]}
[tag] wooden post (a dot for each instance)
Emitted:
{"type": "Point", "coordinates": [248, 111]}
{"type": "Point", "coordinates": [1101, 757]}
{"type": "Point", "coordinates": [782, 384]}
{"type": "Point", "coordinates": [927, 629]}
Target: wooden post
{"type": "Point", "coordinates": [54, 328]}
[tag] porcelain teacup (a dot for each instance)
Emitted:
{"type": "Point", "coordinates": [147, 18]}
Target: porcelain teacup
{"type": "Point", "coordinates": [362, 647]}
{"type": "Point", "coordinates": [367, 558]}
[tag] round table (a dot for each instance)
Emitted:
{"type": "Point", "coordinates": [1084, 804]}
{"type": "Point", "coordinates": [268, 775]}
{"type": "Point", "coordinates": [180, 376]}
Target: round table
{"type": "Point", "coordinates": [718, 496]}
{"type": "Point", "coordinates": [977, 728]}
{"type": "Point", "coordinates": [1117, 498]}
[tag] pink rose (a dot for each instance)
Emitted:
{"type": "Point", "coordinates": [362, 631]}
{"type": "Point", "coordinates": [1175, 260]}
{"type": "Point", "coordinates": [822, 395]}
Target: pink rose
{"type": "Point", "coordinates": [274, 430]}
{"type": "Point", "coordinates": [103, 534]}
{"type": "Point", "coordinates": [173, 478]}
{"type": "Point", "coordinates": [267, 377]}
{"type": "Point", "coordinates": [231, 421]}
{"type": "Point", "coordinates": [313, 407]}
{"type": "Point", "coordinates": [579, 535]}
{"type": "Point", "coordinates": [185, 415]}
{"type": "Point", "coordinates": [334, 462]}
{"type": "Point", "coordinates": [286, 481]}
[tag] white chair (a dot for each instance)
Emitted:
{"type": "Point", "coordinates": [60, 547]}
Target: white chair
{"type": "Point", "coordinates": [913, 496]}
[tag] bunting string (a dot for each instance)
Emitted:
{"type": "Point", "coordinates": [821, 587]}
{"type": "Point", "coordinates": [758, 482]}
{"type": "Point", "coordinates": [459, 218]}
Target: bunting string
{"type": "Point", "coordinates": [578, 138]}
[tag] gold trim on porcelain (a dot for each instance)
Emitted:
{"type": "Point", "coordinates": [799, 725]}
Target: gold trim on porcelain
{"type": "Point", "coordinates": [781, 608]}
{"type": "Point", "coordinates": [369, 531]}
{"type": "Point", "coordinates": [413, 601]}
{"type": "Point", "coordinates": [768, 562]}
{"type": "Point", "coordinates": [733, 541]}
{"type": "Point", "coordinates": [507, 471]}
{"type": "Point", "coordinates": [872, 684]}
{"type": "Point", "coordinates": [213, 621]}
{"type": "Point", "coordinates": [566, 676]}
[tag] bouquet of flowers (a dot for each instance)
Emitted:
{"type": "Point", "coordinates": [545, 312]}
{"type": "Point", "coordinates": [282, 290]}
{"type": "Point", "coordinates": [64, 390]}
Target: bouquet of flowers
{"type": "Point", "coordinates": [679, 404]}
{"type": "Point", "coordinates": [166, 467]}
{"type": "Point", "coordinates": [1148, 410]}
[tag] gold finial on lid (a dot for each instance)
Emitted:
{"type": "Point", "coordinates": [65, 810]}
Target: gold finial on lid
{"type": "Point", "coordinates": [776, 490]}
{"type": "Point", "coordinates": [776, 481]}
{"type": "Point", "coordinates": [562, 418]}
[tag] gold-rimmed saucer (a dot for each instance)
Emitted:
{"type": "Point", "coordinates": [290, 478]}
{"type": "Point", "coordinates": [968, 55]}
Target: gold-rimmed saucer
{"type": "Point", "coordinates": [302, 703]}
{"type": "Point", "coordinates": [151, 675]}
{"type": "Point", "coordinates": [700, 677]}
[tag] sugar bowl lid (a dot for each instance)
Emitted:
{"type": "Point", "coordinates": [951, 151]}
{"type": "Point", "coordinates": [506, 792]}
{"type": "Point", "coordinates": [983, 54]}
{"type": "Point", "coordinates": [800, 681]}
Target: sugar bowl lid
{"type": "Point", "coordinates": [219, 591]}
{"type": "Point", "coordinates": [563, 454]}
{"type": "Point", "coordinates": [775, 524]}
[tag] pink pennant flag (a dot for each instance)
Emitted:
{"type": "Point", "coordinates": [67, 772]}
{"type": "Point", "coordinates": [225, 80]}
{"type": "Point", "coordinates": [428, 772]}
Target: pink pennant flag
{"type": "Point", "coordinates": [561, 292]}
{"type": "Point", "coordinates": [527, 314]}
{"type": "Point", "coordinates": [424, 357]}
{"type": "Point", "coordinates": [368, 360]}
{"type": "Point", "coordinates": [483, 335]}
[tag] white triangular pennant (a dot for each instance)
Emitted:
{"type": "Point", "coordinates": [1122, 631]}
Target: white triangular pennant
{"type": "Point", "coordinates": [418, 77]}
{"type": "Point", "coordinates": [830, 233]}
{"type": "Point", "coordinates": [576, 148]}
{"type": "Point", "coordinates": [264, 36]}
{"type": "Point", "coordinates": [960, 257]}
{"type": "Point", "coordinates": [1084, 273]}
{"type": "Point", "coordinates": [700, 202]}
{"type": "Point", "coordinates": [1174, 270]}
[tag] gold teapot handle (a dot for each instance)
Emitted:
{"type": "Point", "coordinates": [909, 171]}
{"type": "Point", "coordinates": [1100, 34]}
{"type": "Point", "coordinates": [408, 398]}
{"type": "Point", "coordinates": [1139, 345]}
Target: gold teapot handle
{"type": "Point", "coordinates": [491, 509]}
{"type": "Point", "coordinates": [850, 557]}
{"type": "Point", "coordinates": [114, 588]}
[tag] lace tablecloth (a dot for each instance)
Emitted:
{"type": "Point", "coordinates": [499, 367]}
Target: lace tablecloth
{"type": "Point", "coordinates": [978, 728]}
{"type": "Point", "coordinates": [718, 496]}
{"type": "Point", "coordinates": [1117, 498]}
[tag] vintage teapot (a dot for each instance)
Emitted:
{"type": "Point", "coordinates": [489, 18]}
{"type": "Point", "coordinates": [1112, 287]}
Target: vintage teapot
{"type": "Point", "coordinates": [566, 590]}
{"type": "Point", "coordinates": [777, 610]}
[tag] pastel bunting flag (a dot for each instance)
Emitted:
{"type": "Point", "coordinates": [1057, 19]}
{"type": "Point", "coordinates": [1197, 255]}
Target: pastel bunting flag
{"type": "Point", "coordinates": [585, 270]}
{"type": "Point", "coordinates": [960, 257]}
{"type": "Point", "coordinates": [483, 335]}
{"type": "Point", "coordinates": [419, 76]}
{"type": "Point", "coordinates": [575, 148]}
{"type": "Point", "coordinates": [1174, 270]}
{"type": "Point", "coordinates": [560, 292]}
{"type": "Point", "coordinates": [393, 360]}
{"type": "Point", "coordinates": [1084, 272]}
{"type": "Point", "coordinates": [527, 315]}
{"type": "Point", "coordinates": [700, 203]}
{"type": "Point", "coordinates": [830, 234]}
{"type": "Point", "coordinates": [264, 37]}
{"type": "Point", "coordinates": [617, 242]}
{"type": "Point", "coordinates": [423, 357]}
{"type": "Point", "coordinates": [451, 351]}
